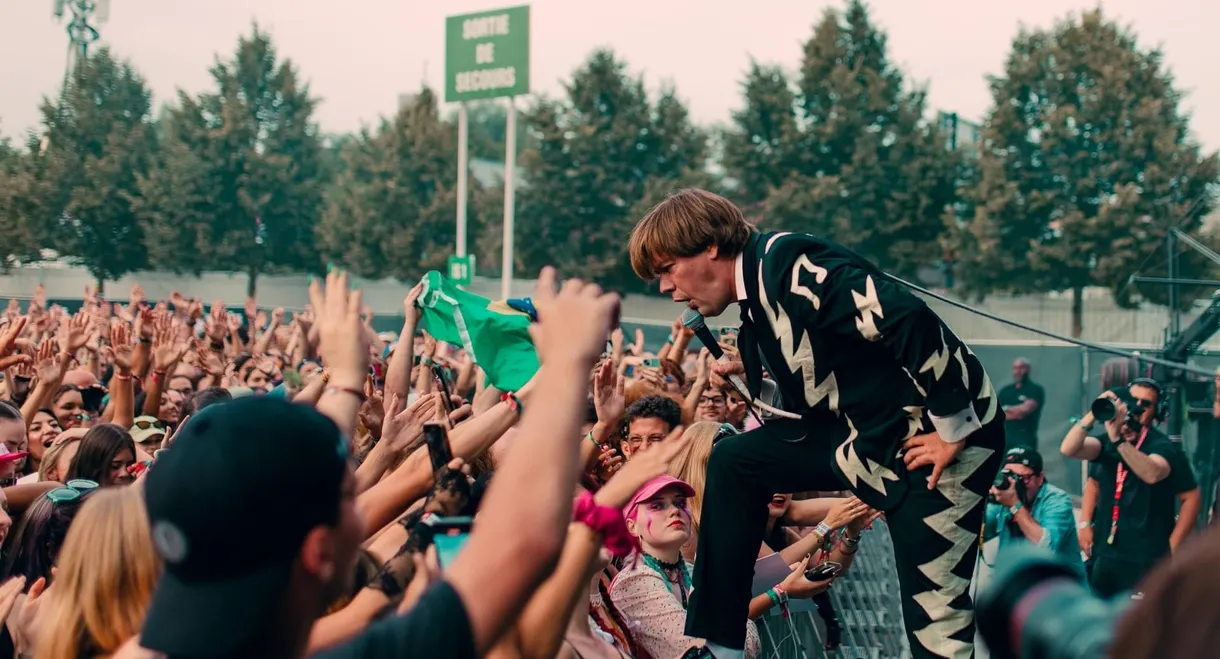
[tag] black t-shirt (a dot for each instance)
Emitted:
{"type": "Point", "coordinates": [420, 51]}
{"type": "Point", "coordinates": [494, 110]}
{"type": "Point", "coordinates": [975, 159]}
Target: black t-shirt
{"type": "Point", "coordinates": [1146, 513]}
{"type": "Point", "coordinates": [1022, 432]}
{"type": "Point", "coordinates": [438, 626]}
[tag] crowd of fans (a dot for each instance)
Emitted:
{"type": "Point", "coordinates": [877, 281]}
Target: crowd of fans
{"type": "Point", "coordinates": [184, 482]}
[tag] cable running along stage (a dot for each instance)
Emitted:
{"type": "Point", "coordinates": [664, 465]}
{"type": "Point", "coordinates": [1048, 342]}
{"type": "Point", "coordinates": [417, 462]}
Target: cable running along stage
{"type": "Point", "coordinates": [1080, 342]}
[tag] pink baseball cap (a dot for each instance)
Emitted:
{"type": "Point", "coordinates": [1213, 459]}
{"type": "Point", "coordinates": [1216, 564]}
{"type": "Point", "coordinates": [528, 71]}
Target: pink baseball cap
{"type": "Point", "coordinates": [654, 487]}
{"type": "Point", "coordinates": [7, 456]}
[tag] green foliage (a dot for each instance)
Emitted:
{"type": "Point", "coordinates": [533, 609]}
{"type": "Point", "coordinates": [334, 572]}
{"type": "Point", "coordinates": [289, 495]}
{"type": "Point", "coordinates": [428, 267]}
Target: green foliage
{"type": "Point", "coordinates": [99, 139]}
{"type": "Point", "coordinates": [594, 155]}
{"type": "Point", "coordinates": [850, 157]}
{"type": "Point", "coordinates": [249, 150]}
{"type": "Point", "coordinates": [1086, 162]}
{"type": "Point", "coordinates": [394, 205]}
{"type": "Point", "coordinates": [23, 192]}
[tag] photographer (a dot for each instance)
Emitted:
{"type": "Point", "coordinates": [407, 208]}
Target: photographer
{"type": "Point", "coordinates": [1132, 520]}
{"type": "Point", "coordinates": [1023, 505]}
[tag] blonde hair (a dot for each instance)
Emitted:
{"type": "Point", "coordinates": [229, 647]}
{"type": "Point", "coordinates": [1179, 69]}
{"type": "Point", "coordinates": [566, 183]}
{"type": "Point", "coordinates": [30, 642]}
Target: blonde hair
{"type": "Point", "coordinates": [105, 577]}
{"type": "Point", "coordinates": [684, 224]}
{"type": "Point", "coordinates": [51, 457]}
{"type": "Point", "coordinates": [691, 464]}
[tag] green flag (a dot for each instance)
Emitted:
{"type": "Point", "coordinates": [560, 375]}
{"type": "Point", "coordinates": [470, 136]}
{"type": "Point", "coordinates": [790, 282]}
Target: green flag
{"type": "Point", "coordinates": [495, 335]}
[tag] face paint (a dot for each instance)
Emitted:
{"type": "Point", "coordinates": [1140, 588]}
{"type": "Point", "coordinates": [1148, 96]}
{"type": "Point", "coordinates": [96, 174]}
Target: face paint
{"type": "Point", "coordinates": [664, 522]}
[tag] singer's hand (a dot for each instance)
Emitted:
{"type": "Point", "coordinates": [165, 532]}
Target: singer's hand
{"type": "Point", "coordinates": [725, 369]}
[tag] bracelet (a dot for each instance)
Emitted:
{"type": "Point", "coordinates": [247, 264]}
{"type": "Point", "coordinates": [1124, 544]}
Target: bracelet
{"type": "Point", "coordinates": [335, 389]}
{"type": "Point", "coordinates": [217, 346]}
{"type": "Point", "coordinates": [607, 521]}
{"type": "Point", "coordinates": [589, 436]}
{"type": "Point", "coordinates": [158, 376]}
{"type": "Point", "coordinates": [773, 596]}
{"type": "Point", "coordinates": [781, 594]}
{"type": "Point", "coordinates": [1086, 428]}
{"type": "Point", "coordinates": [513, 402]}
{"type": "Point", "coordinates": [145, 341]}
{"type": "Point", "coordinates": [122, 378]}
{"type": "Point", "coordinates": [1084, 525]}
{"type": "Point", "coordinates": [823, 529]}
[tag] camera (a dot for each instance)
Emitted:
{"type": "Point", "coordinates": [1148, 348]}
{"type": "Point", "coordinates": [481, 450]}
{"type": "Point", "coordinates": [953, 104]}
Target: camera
{"type": "Point", "coordinates": [1005, 480]}
{"type": "Point", "coordinates": [1037, 606]}
{"type": "Point", "coordinates": [1104, 409]}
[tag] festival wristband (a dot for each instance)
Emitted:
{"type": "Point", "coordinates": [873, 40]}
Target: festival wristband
{"type": "Point", "coordinates": [823, 529]}
{"type": "Point", "coordinates": [607, 521]}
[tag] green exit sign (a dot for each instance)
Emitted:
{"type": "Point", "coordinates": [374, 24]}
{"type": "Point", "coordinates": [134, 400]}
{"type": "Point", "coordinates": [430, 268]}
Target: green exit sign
{"type": "Point", "coordinates": [461, 269]}
{"type": "Point", "coordinates": [487, 54]}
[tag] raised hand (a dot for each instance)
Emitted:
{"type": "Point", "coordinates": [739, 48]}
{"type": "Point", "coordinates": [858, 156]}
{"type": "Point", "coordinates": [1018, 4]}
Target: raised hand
{"type": "Point", "coordinates": [410, 304]}
{"type": "Point", "coordinates": [343, 343]}
{"type": "Point", "coordinates": [74, 333]}
{"type": "Point", "coordinates": [145, 323]}
{"type": "Point", "coordinates": [8, 344]}
{"type": "Point", "coordinates": [573, 321]}
{"type": "Point", "coordinates": [48, 367]}
{"type": "Point", "coordinates": [121, 348]}
{"type": "Point", "coordinates": [217, 324]}
{"type": "Point", "coordinates": [167, 350]}
{"type": "Point", "coordinates": [608, 397]}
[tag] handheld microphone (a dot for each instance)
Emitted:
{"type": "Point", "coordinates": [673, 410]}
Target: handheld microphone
{"type": "Point", "coordinates": [694, 321]}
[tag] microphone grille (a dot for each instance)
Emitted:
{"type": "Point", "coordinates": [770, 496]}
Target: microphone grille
{"type": "Point", "coordinates": [693, 320]}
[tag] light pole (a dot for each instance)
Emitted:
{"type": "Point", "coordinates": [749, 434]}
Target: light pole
{"type": "Point", "coordinates": [81, 34]}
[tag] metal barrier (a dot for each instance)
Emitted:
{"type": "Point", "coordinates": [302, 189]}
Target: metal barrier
{"type": "Point", "coordinates": [867, 602]}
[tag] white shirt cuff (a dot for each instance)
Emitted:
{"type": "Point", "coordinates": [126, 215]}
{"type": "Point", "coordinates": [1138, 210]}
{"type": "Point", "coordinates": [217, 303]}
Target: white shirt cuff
{"type": "Point", "coordinates": [1045, 540]}
{"type": "Point", "coordinates": [956, 427]}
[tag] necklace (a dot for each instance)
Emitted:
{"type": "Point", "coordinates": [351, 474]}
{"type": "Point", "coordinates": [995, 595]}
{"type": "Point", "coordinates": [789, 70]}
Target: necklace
{"type": "Point", "coordinates": [663, 569]}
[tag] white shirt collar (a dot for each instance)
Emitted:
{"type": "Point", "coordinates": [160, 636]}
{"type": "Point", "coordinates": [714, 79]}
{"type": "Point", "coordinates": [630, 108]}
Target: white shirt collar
{"type": "Point", "coordinates": [739, 278]}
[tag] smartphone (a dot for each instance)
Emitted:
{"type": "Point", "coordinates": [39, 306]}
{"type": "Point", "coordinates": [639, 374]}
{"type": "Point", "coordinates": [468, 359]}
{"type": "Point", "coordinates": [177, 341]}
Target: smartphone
{"type": "Point", "coordinates": [651, 362]}
{"type": "Point", "coordinates": [824, 571]}
{"type": "Point", "coordinates": [450, 534]}
{"type": "Point", "coordinates": [728, 336]}
{"type": "Point", "coordinates": [439, 373]}
{"type": "Point", "coordinates": [437, 439]}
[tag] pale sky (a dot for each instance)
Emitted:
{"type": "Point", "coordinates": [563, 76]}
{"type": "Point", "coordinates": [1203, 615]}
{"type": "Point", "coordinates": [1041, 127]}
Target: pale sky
{"type": "Point", "coordinates": [359, 55]}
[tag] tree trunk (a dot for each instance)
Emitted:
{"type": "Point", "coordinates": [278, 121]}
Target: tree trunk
{"type": "Point", "coordinates": [100, 286]}
{"type": "Point", "coordinates": [252, 282]}
{"type": "Point", "coordinates": [1077, 311]}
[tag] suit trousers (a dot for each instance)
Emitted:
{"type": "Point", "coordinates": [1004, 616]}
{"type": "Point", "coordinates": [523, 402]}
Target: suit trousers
{"type": "Point", "coordinates": [935, 532]}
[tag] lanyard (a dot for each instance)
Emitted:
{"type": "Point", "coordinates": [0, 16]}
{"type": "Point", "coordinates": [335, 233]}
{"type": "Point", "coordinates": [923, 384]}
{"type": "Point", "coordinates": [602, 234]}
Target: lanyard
{"type": "Point", "coordinates": [684, 577]}
{"type": "Point", "coordinates": [1121, 478]}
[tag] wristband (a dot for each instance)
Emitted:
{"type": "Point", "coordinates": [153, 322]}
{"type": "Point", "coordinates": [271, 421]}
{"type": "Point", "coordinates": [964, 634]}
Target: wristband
{"type": "Point", "coordinates": [1012, 510]}
{"type": "Point", "coordinates": [335, 389]}
{"type": "Point", "coordinates": [513, 402]}
{"type": "Point", "coordinates": [594, 441]}
{"type": "Point", "coordinates": [773, 596]}
{"type": "Point", "coordinates": [122, 378]}
{"type": "Point", "coordinates": [1084, 525]}
{"type": "Point", "coordinates": [823, 529]}
{"type": "Point", "coordinates": [607, 521]}
{"type": "Point", "coordinates": [145, 341]}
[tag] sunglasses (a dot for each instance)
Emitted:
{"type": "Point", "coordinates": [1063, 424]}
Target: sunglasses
{"type": "Point", "coordinates": [145, 424]}
{"type": "Point", "coordinates": [71, 491]}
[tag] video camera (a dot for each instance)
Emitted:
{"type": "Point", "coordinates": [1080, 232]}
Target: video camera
{"type": "Point", "coordinates": [1104, 409]}
{"type": "Point", "coordinates": [1038, 607]}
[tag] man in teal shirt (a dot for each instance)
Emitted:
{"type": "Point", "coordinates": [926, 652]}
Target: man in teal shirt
{"type": "Point", "coordinates": [1028, 509]}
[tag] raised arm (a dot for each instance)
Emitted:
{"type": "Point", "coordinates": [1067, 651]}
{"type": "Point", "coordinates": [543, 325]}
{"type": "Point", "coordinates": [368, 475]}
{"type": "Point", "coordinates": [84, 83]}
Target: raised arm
{"type": "Point", "coordinates": [526, 512]}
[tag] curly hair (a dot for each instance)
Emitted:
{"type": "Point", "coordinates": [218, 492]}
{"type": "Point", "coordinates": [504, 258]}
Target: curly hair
{"type": "Point", "coordinates": [655, 407]}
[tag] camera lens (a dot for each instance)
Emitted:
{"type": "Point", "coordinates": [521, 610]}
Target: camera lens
{"type": "Point", "coordinates": [1103, 409]}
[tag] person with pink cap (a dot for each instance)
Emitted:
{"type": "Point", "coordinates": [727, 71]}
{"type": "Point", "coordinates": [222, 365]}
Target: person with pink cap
{"type": "Point", "coordinates": [653, 590]}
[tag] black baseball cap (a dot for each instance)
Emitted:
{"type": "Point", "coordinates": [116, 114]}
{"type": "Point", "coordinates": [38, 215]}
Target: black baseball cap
{"type": "Point", "coordinates": [229, 504]}
{"type": "Point", "coordinates": [1024, 455]}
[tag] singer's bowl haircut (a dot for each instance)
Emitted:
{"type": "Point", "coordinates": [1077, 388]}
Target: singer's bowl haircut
{"type": "Point", "coordinates": [687, 222]}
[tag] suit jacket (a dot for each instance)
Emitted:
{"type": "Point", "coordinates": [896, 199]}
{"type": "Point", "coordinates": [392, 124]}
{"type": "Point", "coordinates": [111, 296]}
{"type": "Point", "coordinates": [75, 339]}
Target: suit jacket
{"type": "Point", "coordinates": [865, 362]}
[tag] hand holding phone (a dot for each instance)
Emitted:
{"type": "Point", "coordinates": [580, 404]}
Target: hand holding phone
{"type": "Point", "coordinates": [824, 571]}
{"type": "Point", "coordinates": [436, 436]}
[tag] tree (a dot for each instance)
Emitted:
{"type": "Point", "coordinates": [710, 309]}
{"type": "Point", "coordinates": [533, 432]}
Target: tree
{"type": "Point", "coordinates": [764, 142]}
{"type": "Point", "coordinates": [99, 139]}
{"type": "Point", "coordinates": [23, 192]}
{"type": "Point", "coordinates": [1086, 162]}
{"type": "Point", "coordinates": [856, 161]}
{"type": "Point", "coordinates": [594, 155]}
{"type": "Point", "coordinates": [257, 160]}
{"type": "Point", "coordinates": [392, 210]}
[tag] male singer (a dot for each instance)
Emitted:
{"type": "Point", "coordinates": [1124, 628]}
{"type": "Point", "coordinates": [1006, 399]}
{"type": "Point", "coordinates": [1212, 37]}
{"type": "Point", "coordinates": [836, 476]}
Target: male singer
{"type": "Point", "coordinates": [892, 404]}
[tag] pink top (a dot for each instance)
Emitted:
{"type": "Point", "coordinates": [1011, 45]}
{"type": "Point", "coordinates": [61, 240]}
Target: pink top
{"type": "Point", "coordinates": [654, 614]}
